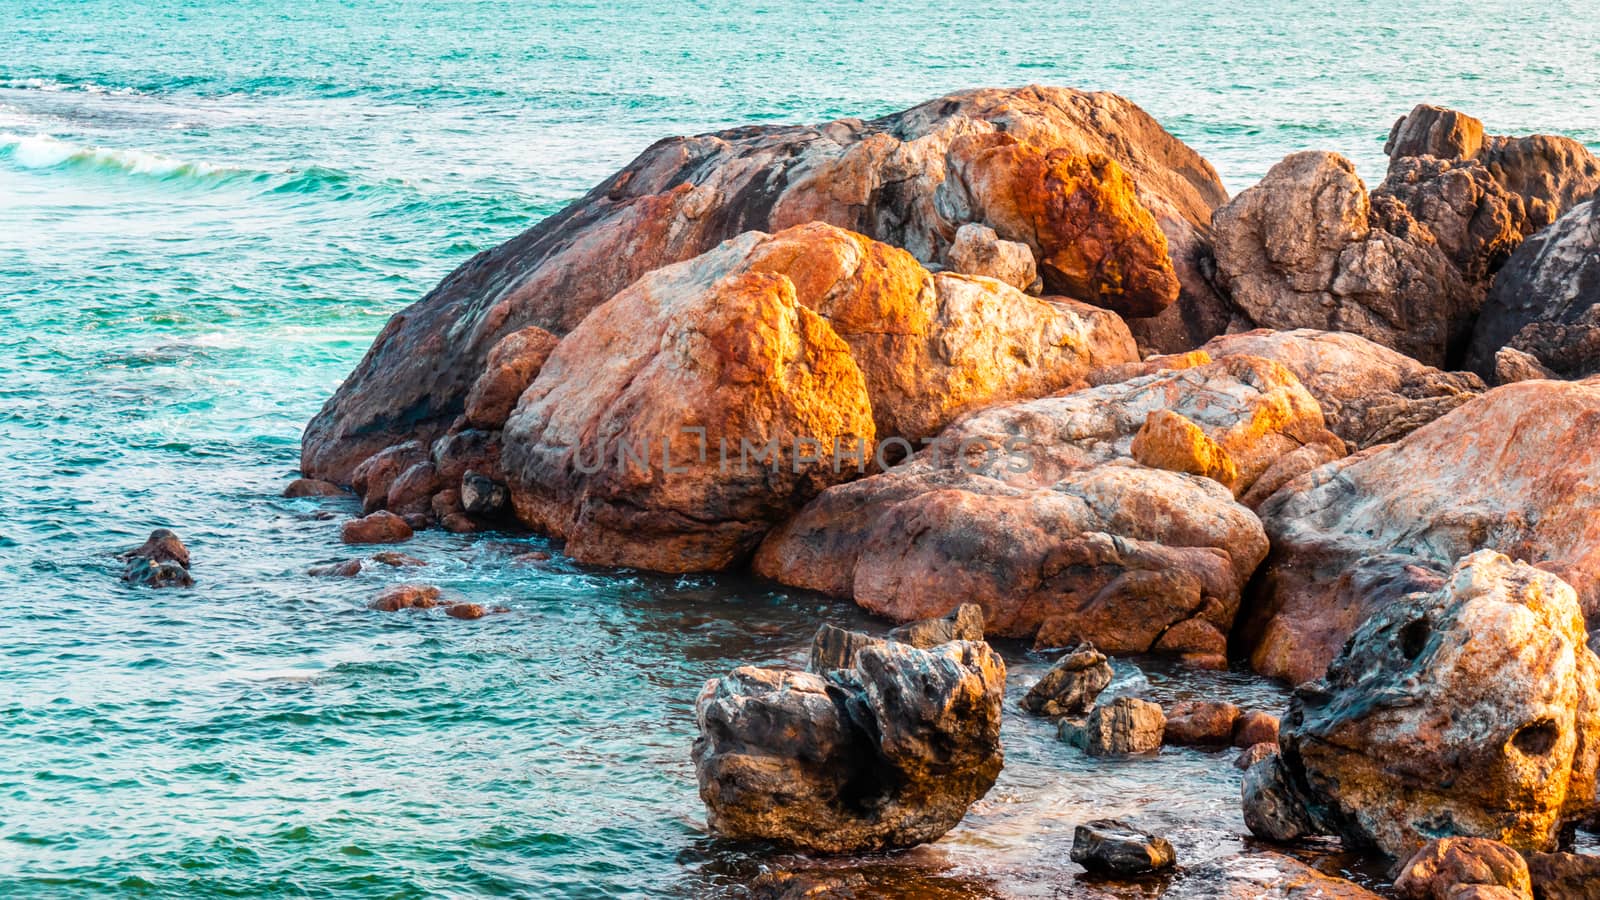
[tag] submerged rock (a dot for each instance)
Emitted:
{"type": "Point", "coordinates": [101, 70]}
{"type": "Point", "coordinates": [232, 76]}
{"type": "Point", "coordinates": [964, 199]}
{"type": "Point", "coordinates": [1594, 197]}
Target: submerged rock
{"type": "Point", "coordinates": [1473, 710]}
{"type": "Point", "coordinates": [888, 754]}
{"type": "Point", "coordinates": [381, 527]}
{"type": "Point", "coordinates": [1444, 865]}
{"type": "Point", "coordinates": [1116, 848]}
{"type": "Point", "coordinates": [1126, 726]}
{"type": "Point", "coordinates": [161, 561]}
{"type": "Point", "coordinates": [1071, 685]}
{"type": "Point", "coordinates": [344, 568]}
{"type": "Point", "coordinates": [1259, 875]}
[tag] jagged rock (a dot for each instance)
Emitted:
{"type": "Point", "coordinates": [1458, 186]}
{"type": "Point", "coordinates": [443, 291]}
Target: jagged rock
{"type": "Point", "coordinates": [406, 596]}
{"type": "Point", "coordinates": [1201, 723]}
{"type": "Point", "coordinates": [977, 250]}
{"type": "Point", "coordinates": [1273, 809]}
{"type": "Point", "coordinates": [1301, 249]}
{"type": "Point", "coordinates": [1474, 709]}
{"type": "Point", "coordinates": [964, 623]}
{"type": "Point", "coordinates": [161, 561]}
{"type": "Point", "coordinates": [1037, 512]}
{"type": "Point", "coordinates": [1117, 848]}
{"type": "Point", "coordinates": [888, 754]}
{"type": "Point", "coordinates": [381, 527]}
{"type": "Point", "coordinates": [1255, 727]}
{"type": "Point", "coordinates": [373, 478]}
{"type": "Point", "coordinates": [1253, 754]}
{"type": "Point", "coordinates": [1564, 876]}
{"type": "Point", "coordinates": [1513, 470]}
{"type": "Point", "coordinates": [512, 364]}
{"type": "Point", "coordinates": [1124, 727]}
{"type": "Point", "coordinates": [482, 496]}
{"type": "Point", "coordinates": [888, 179]}
{"type": "Point", "coordinates": [1071, 685]}
{"type": "Point", "coordinates": [1551, 174]}
{"type": "Point", "coordinates": [1443, 865]}
{"type": "Point", "coordinates": [1369, 394]}
{"type": "Point", "coordinates": [311, 487]}
{"type": "Point", "coordinates": [1545, 302]}
{"type": "Point", "coordinates": [1512, 365]}
{"type": "Point", "coordinates": [1458, 206]}
{"type": "Point", "coordinates": [836, 648]}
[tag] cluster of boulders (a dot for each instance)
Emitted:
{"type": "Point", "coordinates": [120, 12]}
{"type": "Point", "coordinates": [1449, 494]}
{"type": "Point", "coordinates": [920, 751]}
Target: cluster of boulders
{"type": "Point", "coordinates": [1019, 349]}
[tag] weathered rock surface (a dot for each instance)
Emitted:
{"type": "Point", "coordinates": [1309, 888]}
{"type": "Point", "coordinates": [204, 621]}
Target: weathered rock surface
{"type": "Point", "coordinates": [888, 754]}
{"type": "Point", "coordinates": [406, 596]}
{"type": "Point", "coordinates": [1037, 512]}
{"type": "Point", "coordinates": [311, 487]}
{"type": "Point", "coordinates": [1549, 173]}
{"type": "Point", "coordinates": [1253, 754]}
{"type": "Point", "coordinates": [833, 648]}
{"type": "Point", "coordinates": [1071, 685]}
{"type": "Point", "coordinates": [802, 347]}
{"type": "Point", "coordinates": [977, 250]}
{"type": "Point", "coordinates": [1201, 723]}
{"type": "Point", "coordinates": [1515, 470]}
{"type": "Point", "coordinates": [382, 527]}
{"type": "Point", "coordinates": [836, 648]}
{"type": "Point", "coordinates": [1260, 875]}
{"type": "Point", "coordinates": [1456, 205]}
{"type": "Point", "coordinates": [1512, 365]}
{"type": "Point", "coordinates": [891, 179]}
{"type": "Point", "coordinates": [1443, 865]}
{"type": "Point", "coordinates": [1564, 876]}
{"type": "Point", "coordinates": [1117, 848]}
{"type": "Point", "coordinates": [1369, 394]}
{"type": "Point", "coordinates": [1546, 301]}
{"type": "Point", "coordinates": [1472, 711]}
{"type": "Point", "coordinates": [1126, 726]}
{"type": "Point", "coordinates": [161, 561]}
{"type": "Point", "coordinates": [512, 364]}
{"type": "Point", "coordinates": [1255, 727]}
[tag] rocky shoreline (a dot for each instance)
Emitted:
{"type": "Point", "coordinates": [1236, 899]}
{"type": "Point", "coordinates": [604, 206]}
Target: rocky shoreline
{"type": "Point", "coordinates": [1018, 349]}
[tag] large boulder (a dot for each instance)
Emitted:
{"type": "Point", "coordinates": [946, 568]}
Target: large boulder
{"type": "Point", "coordinates": [1550, 174]}
{"type": "Point", "coordinates": [1546, 301]}
{"type": "Point", "coordinates": [1471, 711]}
{"type": "Point", "coordinates": [1038, 512]}
{"type": "Point", "coordinates": [887, 178]}
{"type": "Point", "coordinates": [709, 400]}
{"type": "Point", "coordinates": [1515, 470]}
{"type": "Point", "coordinates": [1369, 394]}
{"type": "Point", "coordinates": [1458, 206]}
{"type": "Point", "coordinates": [890, 753]}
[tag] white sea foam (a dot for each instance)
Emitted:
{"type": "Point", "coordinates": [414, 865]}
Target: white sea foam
{"type": "Point", "coordinates": [42, 151]}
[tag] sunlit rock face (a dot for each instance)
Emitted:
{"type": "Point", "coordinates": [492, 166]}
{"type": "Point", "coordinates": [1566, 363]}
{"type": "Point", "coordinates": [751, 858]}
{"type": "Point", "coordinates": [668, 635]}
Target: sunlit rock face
{"type": "Point", "coordinates": [690, 413]}
{"type": "Point", "coordinates": [1078, 177]}
{"type": "Point", "coordinates": [1545, 303]}
{"type": "Point", "coordinates": [1039, 512]}
{"type": "Point", "coordinates": [1515, 470]}
{"type": "Point", "coordinates": [1472, 710]}
{"type": "Point", "coordinates": [889, 753]}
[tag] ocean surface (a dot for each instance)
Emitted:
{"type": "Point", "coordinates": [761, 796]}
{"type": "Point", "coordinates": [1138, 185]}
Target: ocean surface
{"type": "Point", "coordinates": [207, 211]}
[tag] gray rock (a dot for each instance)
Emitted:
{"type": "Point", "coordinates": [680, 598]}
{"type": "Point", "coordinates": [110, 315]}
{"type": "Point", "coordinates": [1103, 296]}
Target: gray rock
{"type": "Point", "coordinates": [1125, 727]}
{"type": "Point", "coordinates": [964, 623]}
{"type": "Point", "coordinates": [977, 250]}
{"type": "Point", "coordinates": [1116, 848]}
{"type": "Point", "coordinates": [1071, 685]}
{"type": "Point", "coordinates": [482, 495]}
{"type": "Point", "coordinates": [835, 648]}
{"type": "Point", "coordinates": [1273, 809]}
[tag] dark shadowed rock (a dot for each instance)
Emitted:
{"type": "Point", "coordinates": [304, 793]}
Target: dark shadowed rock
{"type": "Point", "coordinates": [1564, 876]}
{"type": "Point", "coordinates": [1116, 848]}
{"type": "Point", "coordinates": [888, 754]}
{"type": "Point", "coordinates": [1273, 809]}
{"type": "Point", "coordinates": [483, 496]}
{"type": "Point", "coordinates": [1124, 727]}
{"type": "Point", "coordinates": [374, 476]}
{"type": "Point", "coordinates": [311, 487]}
{"type": "Point", "coordinates": [1458, 206]}
{"type": "Point", "coordinates": [1201, 723]}
{"type": "Point", "coordinates": [1444, 865]}
{"type": "Point", "coordinates": [1071, 685]}
{"type": "Point", "coordinates": [161, 561]}
{"type": "Point", "coordinates": [381, 527]}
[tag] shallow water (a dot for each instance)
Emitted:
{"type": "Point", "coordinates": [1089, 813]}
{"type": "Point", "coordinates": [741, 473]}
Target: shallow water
{"type": "Point", "coordinates": [206, 213]}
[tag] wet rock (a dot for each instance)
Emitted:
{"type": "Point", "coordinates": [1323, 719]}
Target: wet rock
{"type": "Point", "coordinates": [1301, 249]}
{"type": "Point", "coordinates": [372, 479]}
{"type": "Point", "coordinates": [1116, 848]}
{"type": "Point", "coordinates": [1369, 394]}
{"type": "Point", "coordinates": [466, 611]}
{"type": "Point", "coordinates": [964, 623]}
{"type": "Point", "coordinates": [1071, 685]}
{"type": "Point", "coordinates": [1257, 875]}
{"type": "Point", "coordinates": [1253, 754]}
{"type": "Point", "coordinates": [1564, 876]}
{"type": "Point", "coordinates": [381, 527]}
{"type": "Point", "coordinates": [836, 648]}
{"type": "Point", "coordinates": [512, 364]}
{"type": "Point", "coordinates": [1124, 727]}
{"type": "Point", "coordinates": [532, 556]}
{"type": "Point", "coordinates": [1512, 365]}
{"type": "Point", "coordinates": [161, 561]}
{"type": "Point", "coordinates": [397, 559]}
{"type": "Point", "coordinates": [1550, 174]}
{"type": "Point", "coordinates": [1474, 709]}
{"type": "Point", "coordinates": [311, 487]}
{"type": "Point", "coordinates": [1545, 302]}
{"type": "Point", "coordinates": [888, 754]}
{"type": "Point", "coordinates": [977, 250]}
{"type": "Point", "coordinates": [1037, 512]}
{"type": "Point", "coordinates": [890, 179]}
{"type": "Point", "coordinates": [1201, 723]}
{"type": "Point", "coordinates": [1513, 470]}
{"type": "Point", "coordinates": [345, 568]}
{"type": "Point", "coordinates": [810, 886]}
{"type": "Point", "coordinates": [406, 596]}
{"type": "Point", "coordinates": [483, 496]}
{"type": "Point", "coordinates": [1444, 865]}
{"type": "Point", "coordinates": [1273, 809]}
{"type": "Point", "coordinates": [1255, 727]}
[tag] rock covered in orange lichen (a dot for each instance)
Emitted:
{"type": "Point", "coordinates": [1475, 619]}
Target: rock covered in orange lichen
{"type": "Point", "coordinates": [1473, 709]}
{"type": "Point", "coordinates": [1516, 470]}
{"type": "Point", "coordinates": [1169, 441]}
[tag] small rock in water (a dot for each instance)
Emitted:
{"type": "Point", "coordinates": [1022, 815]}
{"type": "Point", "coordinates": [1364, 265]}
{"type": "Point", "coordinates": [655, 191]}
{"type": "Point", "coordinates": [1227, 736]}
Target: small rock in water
{"type": "Point", "coordinates": [381, 527]}
{"type": "Point", "coordinates": [466, 611]}
{"type": "Point", "coordinates": [1253, 754]}
{"type": "Point", "coordinates": [1564, 876]}
{"type": "Point", "coordinates": [1117, 848]}
{"type": "Point", "coordinates": [531, 556]}
{"type": "Point", "coordinates": [161, 561]}
{"type": "Point", "coordinates": [344, 568]}
{"type": "Point", "coordinates": [396, 558]}
{"type": "Point", "coordinates": [1255, 727]}
{"type": "Point", "coordinates": [406, 596]}
{"type": "Point", "coordinates": [312, 487]}
{"type": "Point", "coordinates": [482, 495]}
{"type": "Point", "coordinates": [1444, 865]}
{"type": "Point", "coordinates": [1205, 723]}
{"type": "Point", "coordinates": [1071, 685]}
{"type": "Point", "coordinates": [964, 623]}
{"type": "Point", "coordinates": [1124, 727]}
{"type": "Point", "coordinates": [811, 886]}
{"type": "Point", "coordinates": [836, 648]}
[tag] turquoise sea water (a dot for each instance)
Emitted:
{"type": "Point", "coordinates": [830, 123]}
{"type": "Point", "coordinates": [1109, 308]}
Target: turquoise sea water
{"type": "Point", "coordinates": [207, 210]}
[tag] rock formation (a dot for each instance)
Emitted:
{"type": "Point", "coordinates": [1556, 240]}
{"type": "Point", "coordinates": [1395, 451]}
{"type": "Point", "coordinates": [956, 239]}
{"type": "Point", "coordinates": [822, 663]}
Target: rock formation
{"type": "Point", "coordinates": [1515, 470]}
{"type": "Point", "coordinates": [381, 527]}
{"type": "Point", "coordinates": [1071, 685]}
{"type": "Point", "coordinates": [1116, 848]}
{"type": "Point", "coordinates": [892, 179]}
{"type": "Point", "coordinates": [1545, 302]}
{"type": "Point", "coordinates": [837, 648]}
{"type": "Point", "coordinates": [1037, 512]}
{"type": "Point", "coordinates": [1564, 876]}
{"type": "Point", "coordinates": [1471, 711]}
{"type": "Point", "coordinates": [888, 754]}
